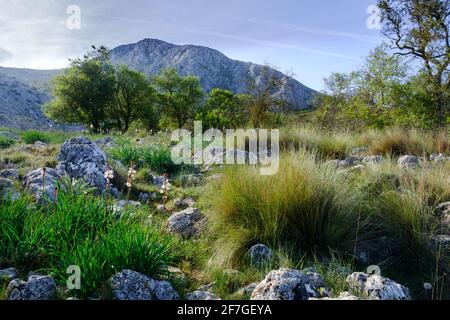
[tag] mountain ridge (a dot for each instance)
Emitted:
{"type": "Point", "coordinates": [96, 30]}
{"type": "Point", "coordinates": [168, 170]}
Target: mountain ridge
{"type": "Point", "coordinates": [23, 91]}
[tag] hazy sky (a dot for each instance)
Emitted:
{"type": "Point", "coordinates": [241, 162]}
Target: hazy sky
{"type": "Point", "coordinates": [311, 38]}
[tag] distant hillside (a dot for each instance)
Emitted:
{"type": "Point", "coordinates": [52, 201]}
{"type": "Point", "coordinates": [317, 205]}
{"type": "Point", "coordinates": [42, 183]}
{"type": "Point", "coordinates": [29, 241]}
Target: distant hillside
{"type": "Point", "coordinates": [39, 79]}
{"type": "Point", "coordinates": [214, 69]}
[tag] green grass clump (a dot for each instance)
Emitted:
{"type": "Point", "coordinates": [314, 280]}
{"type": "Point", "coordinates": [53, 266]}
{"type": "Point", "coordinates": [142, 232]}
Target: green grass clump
{"type": "Point", "coordinates": [397, 142]}
{"type": "Point", "coordinates": [156, 158]}
{"type": "Point", "coordinates": [326, 145]}
{"type": "Point", "coordinates": [79, 230]}
{"type": "Point", "coordinates": [305, 206]}
{"type": "Point", "coordinates": [30, 137]}
{"type": "Point", "coordinates": [6, 142]}
{"type": "Point", "coordinates": [159, 160]}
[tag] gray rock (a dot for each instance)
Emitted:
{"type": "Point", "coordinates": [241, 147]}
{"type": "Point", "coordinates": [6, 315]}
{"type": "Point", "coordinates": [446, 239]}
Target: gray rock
{"type": "Point", "coordinates": [156, 180]}
{"type": "Point", "coordinates": [36, 288]}
{"type": "Point", "coordinates": [247, 290]}
{"type": "Point", "coordinates": [40, 144]}
{"type": "Point", "coordinates": [201, 295]}
{"type": "Point", "coordinates": [131, 285]}
{"type": "Point", "coordinates": [39, 186]}
{"type": "Point", "coordinates": [282, 284]}
{"type": "Point", "coordinates": [372, 160]}
{"type": "Point", "coordinates": [316, 286]}
{"type": "Point", "coordinates": [408, 162]}
{"type": "Point", "coordinates": [190, 180]}
{"type": "Point", "coordinates": [12, 174]}
{"type": "Point", "coordinates": [187, 223]}
{"type": "Point", "coordinates": [259, 254]}
{"type": "Point", "coordinates": [6, 186]}
{"type": "Point", "coordinates": [83, 159]}
{"type": "Point", "coordinates": [438, 157]}
{"type": "Point", "coordinates": [342, 164]}
{"type": "Point", "coordinates": [377, 287]}
{"type": "Point", "coordinates": [441, 241]}
{"type": "Point", "coordinates": [443, 208]}
{"type": "Point", "coordinates": [105, 143]}
{"type": "Point", "coordinates": [144, 197]}
{"type": "Point", "coordinates": [184, 203]}
{"type": "Point", "coordinates": [8, 274]}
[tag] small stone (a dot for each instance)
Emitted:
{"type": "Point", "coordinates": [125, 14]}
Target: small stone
{"type": "Point", "coordinates": [12, 174]}
{"type": "Point", "coordinates": [36, 288]}
{"type": "Point", "coordinates": [408, 162]}
{"type": "Point", "coordinates": [201, 295]}
{"type": "Point", "coordinates": [441, 241]}
{"type": "Point", "coordinates": [282, 284]}
{"type": "Point", "coordinates": [247, 290]}
{"type": "Point", "coordinates": [443, 208]}
{"type": "Point", "coordinates": [144, 197]}
{"type": "Point", "coordinates": [377, 287]}
{"type": "Point", "coordinates": [372, 160]}
{"type": "Point", "coordinates": [259, 254]}
{"type": "Point", "coordinates": [39, 186]}
{"type": "Point", "coordinates": [8, 274]}
{"type": "Point", "coordinates": [187, 223]}
{"type": "Point", "coordinates": [131, 285]}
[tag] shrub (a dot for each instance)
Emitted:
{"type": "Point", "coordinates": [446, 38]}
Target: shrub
{"type": "Point", "coordinates": [30, 137]}
{"type": "Point", "coordinates": [6, 142]}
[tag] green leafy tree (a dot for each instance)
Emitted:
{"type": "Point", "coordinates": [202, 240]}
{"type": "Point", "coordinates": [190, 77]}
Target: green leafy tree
{"type": "Point", "coordinates": [134, 99]}
{"type": "Point", "coordinates": [223, 109]}
{"type": "Point", "coordinates": [420, 29]}
{"type": "Point", "coordinates": [85, 91]}
{"type": "Point", "coordinates": [179, 97]}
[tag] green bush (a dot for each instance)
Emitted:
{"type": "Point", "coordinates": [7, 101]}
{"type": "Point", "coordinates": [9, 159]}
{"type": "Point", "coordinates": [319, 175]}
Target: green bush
{"type": "Point", "coordinates": [30, 137]}
{"type": "Point", "coordinates": [6, 142]}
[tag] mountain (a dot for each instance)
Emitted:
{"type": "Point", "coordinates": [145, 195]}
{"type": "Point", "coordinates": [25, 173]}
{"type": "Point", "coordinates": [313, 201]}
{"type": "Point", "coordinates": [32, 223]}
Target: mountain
{"type": "Point", "coordinates": [21, 104]}
{"type": "Point", "coordinates": [37, 79]}
{"type": "Point", "coordinates": [24, 91]}
{"type": "Point", "coordinates": [213, 68]}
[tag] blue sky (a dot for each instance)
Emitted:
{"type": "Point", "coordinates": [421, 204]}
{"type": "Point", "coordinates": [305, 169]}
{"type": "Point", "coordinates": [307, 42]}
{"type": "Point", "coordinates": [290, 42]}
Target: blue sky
{"type": "Point", "coordinates": [310, 38]}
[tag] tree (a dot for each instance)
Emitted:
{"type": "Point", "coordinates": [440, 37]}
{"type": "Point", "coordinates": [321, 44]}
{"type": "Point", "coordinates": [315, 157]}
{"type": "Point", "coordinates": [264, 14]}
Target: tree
{"type": "Point", "coordinates": [379, 76]}
{"type": "Point", "coordinates": [223, 109]}
{"type": "Point", "coordinates": [179, 97]}
{"type": "Point", "coordinates": [85, 91]}
{"type": "Point", "coordinates": [264, 97]}
{"type": "Point", "coordinates": [420, 29]}
{"type": "Point", "coordinates": [134, 97]}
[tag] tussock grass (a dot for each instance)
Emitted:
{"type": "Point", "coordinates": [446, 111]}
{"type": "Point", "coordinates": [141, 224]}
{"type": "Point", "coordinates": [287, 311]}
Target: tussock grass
{"type": "Point", "coordinates": [327, 145]}
{"type": "Point", "coordinates": [310, 209]}
{"type": "Point", "coordinates": [397, 142]}
{"type": "Point", "coordinates": [307, 206]}
{"type": "Point", "coordinates": [6, 142]}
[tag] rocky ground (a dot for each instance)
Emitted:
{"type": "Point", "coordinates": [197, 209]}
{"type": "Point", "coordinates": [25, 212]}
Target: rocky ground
{"type": "Point", "coordinates": [86, 159]}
